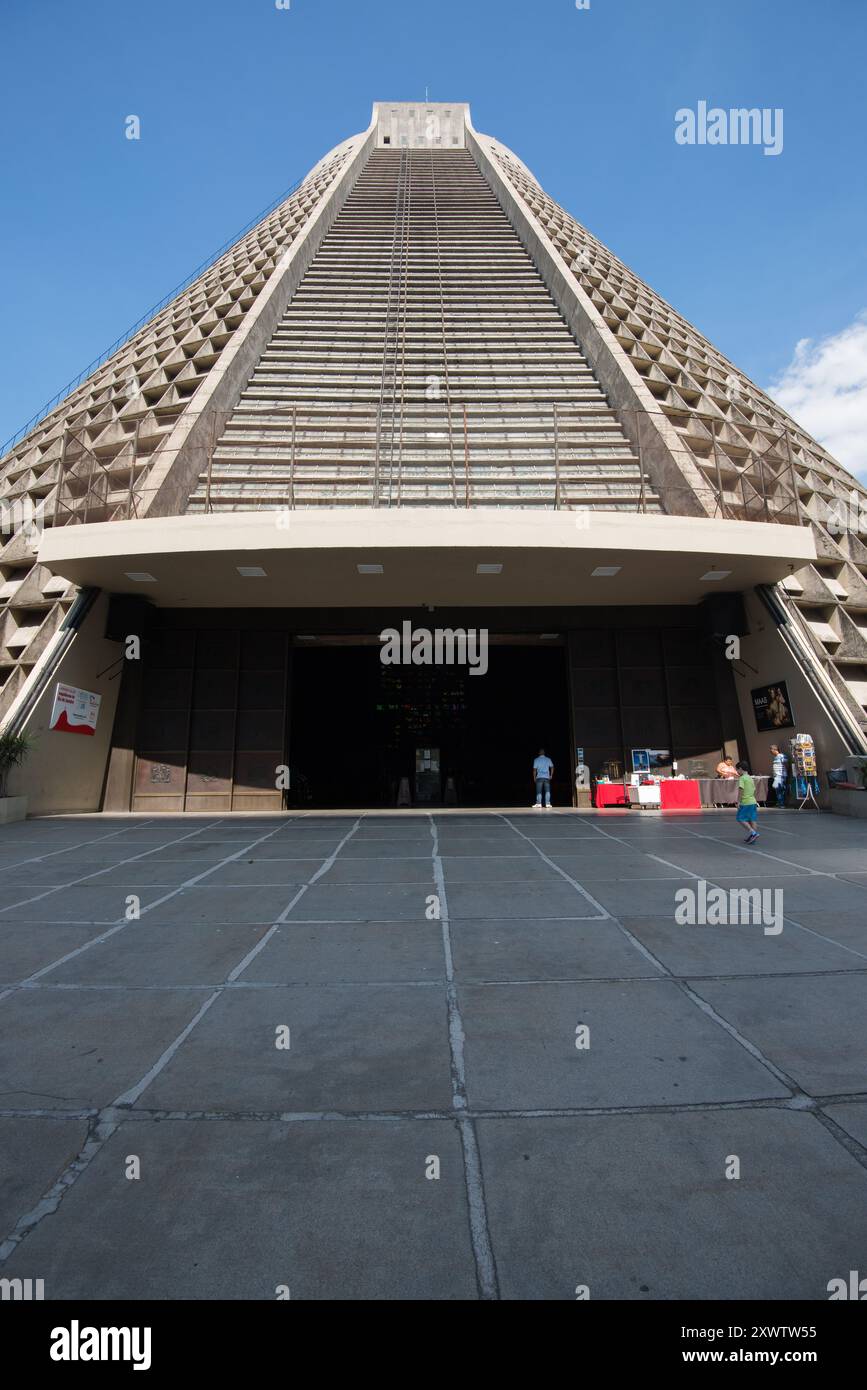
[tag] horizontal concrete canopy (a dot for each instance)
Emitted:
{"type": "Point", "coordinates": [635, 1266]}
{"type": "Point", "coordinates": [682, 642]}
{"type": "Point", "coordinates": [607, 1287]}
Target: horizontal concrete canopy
{"type": "Point", "coordinates": [428, 555]}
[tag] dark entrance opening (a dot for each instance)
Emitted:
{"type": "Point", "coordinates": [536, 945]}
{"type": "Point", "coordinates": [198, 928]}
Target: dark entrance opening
{"type": "Point", "coordinates": [356, 726]}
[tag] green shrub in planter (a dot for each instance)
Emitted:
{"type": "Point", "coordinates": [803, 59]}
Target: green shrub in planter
{"type": "Point", "coordinates": [13, 750]}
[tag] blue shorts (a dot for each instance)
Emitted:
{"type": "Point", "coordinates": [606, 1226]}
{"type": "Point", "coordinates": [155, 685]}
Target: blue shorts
{"type": "Point", "coordinates": [747, 813]}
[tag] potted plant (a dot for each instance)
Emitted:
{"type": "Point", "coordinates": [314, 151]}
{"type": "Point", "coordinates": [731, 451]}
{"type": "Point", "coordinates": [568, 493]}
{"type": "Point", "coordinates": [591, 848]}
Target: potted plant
{"type": "Point", "coordinates": [13, 750]}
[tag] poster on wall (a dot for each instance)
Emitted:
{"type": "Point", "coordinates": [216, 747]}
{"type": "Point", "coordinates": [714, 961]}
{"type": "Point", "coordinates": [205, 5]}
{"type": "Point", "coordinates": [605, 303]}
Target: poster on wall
{"type": "Point", "coordinates": [75, 711]}
{"type": "Point", "coordinates": [772, 708]}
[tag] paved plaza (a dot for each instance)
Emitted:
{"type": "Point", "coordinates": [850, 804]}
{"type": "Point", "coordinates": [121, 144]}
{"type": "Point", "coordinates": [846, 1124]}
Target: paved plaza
{"type": "Point", "coordinates": [449, 1056]}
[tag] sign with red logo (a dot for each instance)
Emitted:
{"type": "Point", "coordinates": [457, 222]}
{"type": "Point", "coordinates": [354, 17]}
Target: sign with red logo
{"type": "Point", "coordinates": [75, 711]}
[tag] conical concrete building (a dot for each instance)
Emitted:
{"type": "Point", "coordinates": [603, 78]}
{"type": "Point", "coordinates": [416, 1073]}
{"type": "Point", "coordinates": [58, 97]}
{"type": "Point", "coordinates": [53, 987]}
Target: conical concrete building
{"type": "Point", "coordinates": [419, 396]}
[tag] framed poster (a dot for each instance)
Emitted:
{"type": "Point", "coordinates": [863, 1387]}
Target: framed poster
{"type": "Point", "coordinates": [640, 760]}
{"type": "Point", "coordinates": [658, 757]}
{"type": "Point", "coordinates": [74, 711]}
{"type": "Point", "coordinates": [772, 708]}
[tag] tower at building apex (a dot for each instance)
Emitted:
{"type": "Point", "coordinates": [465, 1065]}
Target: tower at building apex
{"type": "Point", "coordinates": [414, 124]}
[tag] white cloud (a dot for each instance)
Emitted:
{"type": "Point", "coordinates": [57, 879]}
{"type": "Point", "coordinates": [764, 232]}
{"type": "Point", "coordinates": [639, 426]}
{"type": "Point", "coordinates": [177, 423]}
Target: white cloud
{"type": "Point", "coordinates": [824, 388]}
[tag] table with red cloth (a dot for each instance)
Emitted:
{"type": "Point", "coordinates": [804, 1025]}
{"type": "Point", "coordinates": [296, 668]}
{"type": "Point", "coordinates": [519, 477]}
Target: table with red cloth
{"type": "Point", "coordinates": [678, 794]}
{"type": "Point", "coordinates": [611, 794]}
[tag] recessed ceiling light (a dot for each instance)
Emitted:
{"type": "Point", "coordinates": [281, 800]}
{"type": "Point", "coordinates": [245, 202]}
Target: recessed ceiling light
{"type": "Point", "coordinates": [489, 569]}
{"type": "Point", "coordinates": [714, 574]}
{"type": "Point", "coordinates": [370, 569]}
{"type": "Point", "coordinates": [140, 576]}
{"type": "Point", "coordinates": [605, 571]}
{"type": "Point", "coordinates": [251, 571]}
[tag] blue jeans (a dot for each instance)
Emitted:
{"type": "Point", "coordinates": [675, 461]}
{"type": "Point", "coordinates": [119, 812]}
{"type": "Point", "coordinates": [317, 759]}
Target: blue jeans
{"type": "Point", "coordinates": [543, 789]}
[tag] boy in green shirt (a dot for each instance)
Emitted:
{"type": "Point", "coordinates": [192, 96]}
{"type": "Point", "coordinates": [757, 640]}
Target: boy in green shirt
{"type": "Point", "coordinates": [748, 810]}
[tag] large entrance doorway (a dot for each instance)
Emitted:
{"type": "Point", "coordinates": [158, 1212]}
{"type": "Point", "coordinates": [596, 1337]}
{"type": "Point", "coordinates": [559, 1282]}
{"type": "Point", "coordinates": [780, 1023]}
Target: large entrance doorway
{"type": "Point", "coordinates": [357, 727]}
{"type": "Point", "coordinates": [216, 715]}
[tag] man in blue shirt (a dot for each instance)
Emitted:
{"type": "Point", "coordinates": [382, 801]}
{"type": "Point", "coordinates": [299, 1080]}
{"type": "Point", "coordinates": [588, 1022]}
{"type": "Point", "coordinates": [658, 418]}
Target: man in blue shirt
{"type": "Point", "coordinates": [543, 771]}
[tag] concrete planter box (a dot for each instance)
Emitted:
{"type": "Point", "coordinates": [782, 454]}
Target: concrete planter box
{"type": "Point", "coordinates": [12, 808]}
{"type": "Point", "coordinates": [847, 801]}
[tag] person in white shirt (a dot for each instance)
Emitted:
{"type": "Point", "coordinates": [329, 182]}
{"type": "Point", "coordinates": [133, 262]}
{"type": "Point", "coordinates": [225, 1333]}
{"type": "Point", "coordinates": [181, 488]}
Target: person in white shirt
{"type": "Point", "coordinates": [780, 774]}
{"type": "Point", "coordinates": [543, 771]}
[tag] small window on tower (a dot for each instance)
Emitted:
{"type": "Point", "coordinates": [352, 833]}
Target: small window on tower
{"type": "Point", "coordinates": [386, 139]}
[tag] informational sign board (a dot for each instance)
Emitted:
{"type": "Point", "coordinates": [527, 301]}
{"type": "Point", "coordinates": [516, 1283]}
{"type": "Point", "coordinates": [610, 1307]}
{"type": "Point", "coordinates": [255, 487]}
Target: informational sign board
{"type": "Point", "coordinates": [75, 711]}
{"type": "Point", "coordinates": [772, 708]}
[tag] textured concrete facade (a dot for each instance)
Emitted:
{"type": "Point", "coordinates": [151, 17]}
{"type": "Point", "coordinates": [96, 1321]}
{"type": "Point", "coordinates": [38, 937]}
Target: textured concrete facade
{"type": "Point", "coordinates": [420, 325]}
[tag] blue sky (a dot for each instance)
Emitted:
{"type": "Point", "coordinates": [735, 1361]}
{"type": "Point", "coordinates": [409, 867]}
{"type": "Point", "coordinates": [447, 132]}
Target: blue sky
{"type": "Point", "coordinates": [237, 99]}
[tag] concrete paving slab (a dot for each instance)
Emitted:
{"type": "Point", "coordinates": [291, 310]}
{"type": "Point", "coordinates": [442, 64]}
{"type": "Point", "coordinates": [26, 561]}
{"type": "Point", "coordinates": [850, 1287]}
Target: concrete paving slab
{"type": "Point", "coordinates": [215, 851]}
{"type": "Point", "coordinates": [608, 868]}
{"type": "Point", "coordinates": [316, 847]}
{"type": "Point", "coordinates": [350, 953]}
{"type": "Point", "coordinates": [529, 902]}
{"type": "Point", "coordinates": [83, 902]}
{"type": "Point", "coordinates": [212, 903]}
{"type": "Point", "coordinates": [353, 1048]}
{"type": "Point", "coordinates": [638, 1206]}
{"type": "Point", "coordinates": [372, 902]}
{"type": "Point", "coordinates": [416, 832]}
{"type": "Point", "coordinates": [23, 949]}
{"type": "Point", "coordinates": [70, 1049]}
{"type": "Point", "coordinates": [849, 928]}
{"type": "Point", "coordinates": [851, 1117]}
{"type": "Point", "coordinates": [34, 1150]}
{"type": "Point", "coordinates": [264, 873]}
{"type": "Point", "coordinates": [148, 953]}
{"type": "Point", "coordinates": [497, 869]}
{"type": "Point", "coordinates": [516, 949]}
{"type": "Point", "coordinates": [197, 855]}
{"type": "Point", "coordinates": [848, 861]}
{"type": "Point", "coordinates": [742, 949]}
{"type": "Point", "coordinates": [48, 874]}
{"type": "Point", "coordinates": [656, 897]}
{"type": "Point", "coordinates": [711, 864]}
{"type": "Point", "coordinates": [378, 871]}
{"type": "Point", "coordinates": [813, 894]}
{"type": "Point", "coordinates": [812, 1028]}
{"type": "Point", "coordinates": [157, 872]}
{"type": "Point", "coordinates": [479, 848]}
{"type": "Point", "coordinates": [235, 1211]}
{"type": "Point", "coordinates": [649, 1045]}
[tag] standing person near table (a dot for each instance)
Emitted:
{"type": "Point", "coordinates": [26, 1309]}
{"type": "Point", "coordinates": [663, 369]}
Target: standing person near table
{"type": "Point", "coordinates": [748, 807]}
{"type": "Point", "coordinates": [543, 771]}
{"type": "Point", "coordinates": [780, 774]}
{"type": "Point", "coordinates": [727, 768]}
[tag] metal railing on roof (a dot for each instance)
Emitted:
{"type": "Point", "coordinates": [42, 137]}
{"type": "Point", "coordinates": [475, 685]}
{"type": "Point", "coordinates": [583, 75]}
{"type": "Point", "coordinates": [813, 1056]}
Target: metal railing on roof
{"type": "Point", "coordinates": [557, 472]}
